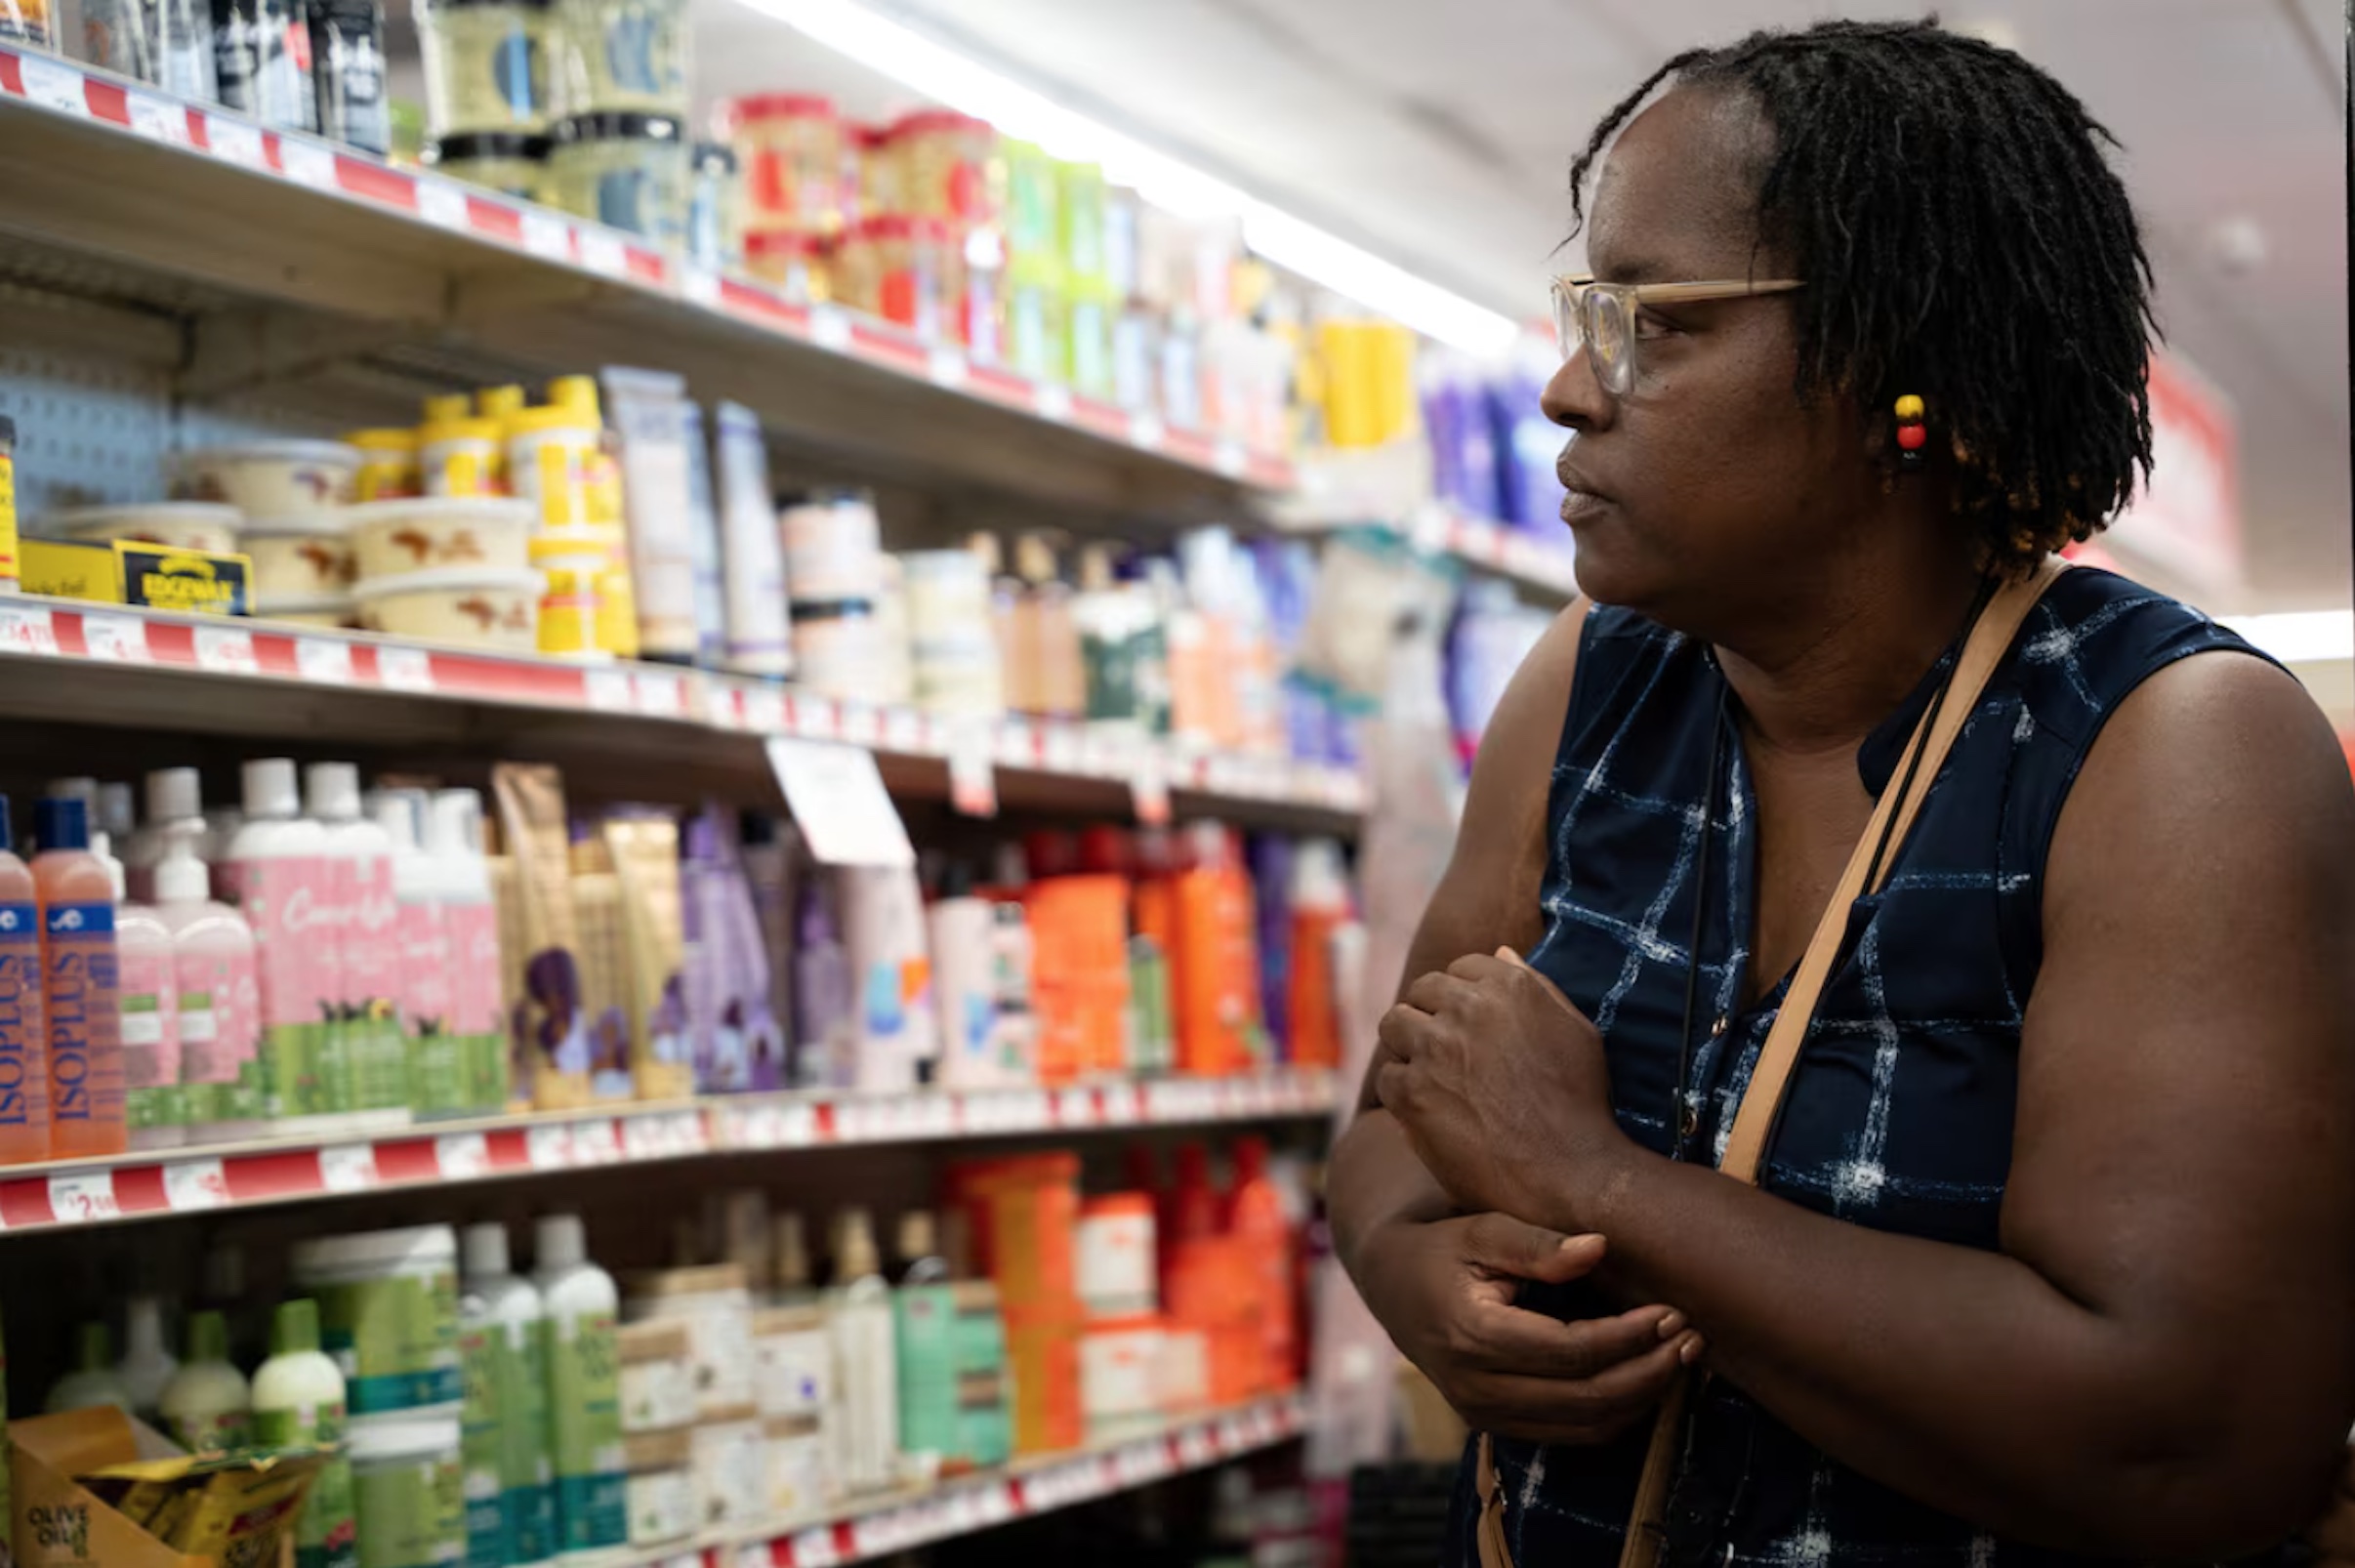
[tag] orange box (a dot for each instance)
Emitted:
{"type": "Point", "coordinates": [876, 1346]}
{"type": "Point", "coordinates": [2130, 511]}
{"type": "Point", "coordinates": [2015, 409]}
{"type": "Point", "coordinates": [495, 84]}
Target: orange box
{"type": "Point", "coordinates": [1043, 1347]}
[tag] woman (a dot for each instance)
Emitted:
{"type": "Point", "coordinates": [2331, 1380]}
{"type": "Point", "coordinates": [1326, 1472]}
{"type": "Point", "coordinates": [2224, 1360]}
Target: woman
{"type": "Point", "coordinates": [2052, 1257]}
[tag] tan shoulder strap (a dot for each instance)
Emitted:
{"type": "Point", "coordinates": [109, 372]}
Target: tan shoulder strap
{"type": "Point", "coordinates": [1990, 640]}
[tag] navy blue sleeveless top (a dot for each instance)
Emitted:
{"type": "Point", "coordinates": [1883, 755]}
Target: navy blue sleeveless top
{"type": "Point", "coordinates": [1899, 1113]}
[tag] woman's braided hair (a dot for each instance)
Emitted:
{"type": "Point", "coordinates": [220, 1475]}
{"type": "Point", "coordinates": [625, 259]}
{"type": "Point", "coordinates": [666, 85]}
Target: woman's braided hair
{"type": "Point", "coordinates": [1963, 237]}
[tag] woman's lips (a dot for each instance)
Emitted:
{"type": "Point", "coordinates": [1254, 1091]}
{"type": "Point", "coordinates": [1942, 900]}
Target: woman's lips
{"type": "Point", "coordinates": [1583, 500]}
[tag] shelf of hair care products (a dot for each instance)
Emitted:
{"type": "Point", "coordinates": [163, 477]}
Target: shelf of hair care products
{"type": "Point", "coordinates": [767, 1396]}
{"type": "Point", "coordinates": [323, 991]}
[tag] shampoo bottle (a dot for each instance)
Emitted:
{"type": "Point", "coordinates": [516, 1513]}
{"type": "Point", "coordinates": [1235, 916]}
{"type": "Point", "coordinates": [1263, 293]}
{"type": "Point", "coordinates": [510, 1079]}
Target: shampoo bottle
{"type": "Point", "coordinates": [219, 998]}
{"type": "Point", "coordinates": [825, 1015]}
{"type": "Point", "coordinates": [1320, 906]}
{"type": "Point", "coordinates": [360, 854]}
{"type": "Point", "coordinates": [961, 927]}
{"type": "Point", "coordinates": [175, 805]}
{"type": "Point", "coordinates": [93, 1381]}
{"type": "Point", "coordinates": [924, 1327]}
{"type": "Point", "coordinates": [147, 1364]}
{"type": "Point", "coordinates": [882, 912]}
{"type": "Point", "coordinates": [81, 987]}
{"type": "Point", "coordinates": [154, 1107]}
{"type": "Point", "coordinates": [24, 1035]}
{"type": "Point", "coordinates": [1261, 1233]}
{"type": "Point", "coordinates": [470, 925]}
{"type": "Point", "coordinates": [858, 1320]}
{"type": "Point", "coordinates": [298, 1402]}
{"type": "Point", "coordinates": [275, 871]}
{"type": "Point", "coordinates": [504, 1313]}
{"type": "Point", "coordinates": [437, 1070]}
{"type": "Point", "coordinates": [584, 1396]}
{"type": "Point", "coordinates": [207, 1405]}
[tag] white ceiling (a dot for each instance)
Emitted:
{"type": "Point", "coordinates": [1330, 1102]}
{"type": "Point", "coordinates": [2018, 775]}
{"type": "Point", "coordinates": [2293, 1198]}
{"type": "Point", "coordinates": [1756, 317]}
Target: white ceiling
{"type": "Point", "coordinates": [1440, 135]}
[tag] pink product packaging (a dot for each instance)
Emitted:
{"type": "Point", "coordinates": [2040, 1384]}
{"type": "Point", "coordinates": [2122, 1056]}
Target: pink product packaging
{"type": "Point", "coordinates": [438, 1085]}
{"type": "Point", "coordinates": [289, 902]}
{"type": "Point", "coordinates": [220, 1019]}
{"type": "Point", "coordinates": [373, 979]}
{"type": "Point", "coordinates": [154, 1109]}
{"type": "Point", "coordinates": [476, 1008]}
{"type": "Point", "coordinates": [338, 884]}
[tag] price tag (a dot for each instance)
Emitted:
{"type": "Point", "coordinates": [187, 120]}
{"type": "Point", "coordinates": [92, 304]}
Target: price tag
{"type": "Point", "coordinates": [462, 1156]}
{"type": "Point", "coordinates": [226, 650]}
{"type": "Point", "coordinates": [660, 694]}
{"type": "Point", "coordinates": [972, 780]}
{"type": "Point", "coordinates": [403, 669]}
{"type": "Point", "coordinates": [1149, 787]}
{"type": "Point", "coordinates": [1227, 457]}
{"type": "Point", "coordinates": [610, 690]}
{"type": "Point", "coordinates": [352, 1167]}
{"type": "Point", "coordinates": [903, 731]}
{"type": "Point", "coordinates": [994, 1503]}
{"type": "Point", "coordinates": [547, 235]}
{"type": "Point", "coordinates": [814, 718]}
{"type": "Point", "coordinates": [307, 163]}
{"type": "Point", "coordinates": [1060, 748]}
{"type": "Point", "coordinates": [947, 367]}
{"type": "Point", "coordinates": [830, 328]}
{"type": "Point", "coordinates": [235, 140]}
{"type": "Point", "coordinates": [1140, 1464]}
{"type": "Point", "coordinates": [53, 84]}
{"type": "Point", "coordinates": [81, 1196]}
{"type": "Point", "coordinates": [1195, 1448]}
{"type": "Point", "coordinates": [797, 1126]}
{"type": "Point", "coordinates": [1027, 1110]}
{"type": "Point", "coordinates": [694, 1560]}
{"type": "Point", "coordinates": [754, 1554]}
{"type": "Point", "coordinates": [1123, 1104]}
{"type": "Point", "coordinates": [931, 1116]}
{"type": "Point", "coordinates": [442, 204]}
{"type": "Point", "coordinates": [1233, 1438]}
{"type": "Point", "coordinates": [763, 708]}
{"type": "Point", "coordinates": [1075, 1107]}
{"type": "Point", "coordinates": [324, 660]}
{"type": "Point", "coordinates": [26, 629]}
{"type": "Point", "coordinates": [1052, 400]}
{"type": "Point", "coordinates": [1145, 429]}
{"type": "Point", "coordinates": [861, 724]}
{"type": "Point", "coordinates": [117, 638]}
{"type": "Point", "coordinates": [594, 1144]}
{"type": "Point", "coordinates": [601, 251]}
{"type": "Point", "coordinates": [814, 1548]}
{"type": "Point", "coordinates": [838, 799]}
{"type": "Point", "coordinates": [157, 120]}
{"type": "Point", "coordinates": [700, 285]}
{"type": "Point", "coordinates": [549, 1147]}
{"type": "Point", "coordinates": [192, 1184]}
{"type": "Point", "coordinates": [687, 1132]}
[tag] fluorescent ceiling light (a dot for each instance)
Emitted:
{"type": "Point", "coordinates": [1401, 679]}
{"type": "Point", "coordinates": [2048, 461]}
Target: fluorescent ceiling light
{"type": "Point", "coordinates": [2302, 637]}
{"type": "Point", "coordinates": [921, 63]}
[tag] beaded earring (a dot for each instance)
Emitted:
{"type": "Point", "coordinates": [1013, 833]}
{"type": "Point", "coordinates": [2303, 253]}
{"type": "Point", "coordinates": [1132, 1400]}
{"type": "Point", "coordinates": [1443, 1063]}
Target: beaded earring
{"type": "Point", "coordinates": [1913, 435]}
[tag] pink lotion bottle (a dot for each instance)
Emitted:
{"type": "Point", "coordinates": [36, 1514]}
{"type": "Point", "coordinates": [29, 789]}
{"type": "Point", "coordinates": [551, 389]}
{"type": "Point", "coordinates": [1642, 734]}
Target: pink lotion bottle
{"type": "Point", "coordinates": [23, 1041]}
{"type": "Point", "coordinates": [81, 987]}
{"type": "Point", "coordinates": [213, 965]}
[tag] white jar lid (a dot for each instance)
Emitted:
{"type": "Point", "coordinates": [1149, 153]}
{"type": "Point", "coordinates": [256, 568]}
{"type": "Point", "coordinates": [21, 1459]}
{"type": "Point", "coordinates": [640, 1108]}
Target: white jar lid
{"type": "Point", "coordinates": [449, 580]}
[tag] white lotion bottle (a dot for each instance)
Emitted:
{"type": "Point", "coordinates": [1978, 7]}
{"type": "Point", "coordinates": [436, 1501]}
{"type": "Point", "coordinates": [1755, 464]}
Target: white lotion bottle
{"type": "Point", "coordinates": [866, 1381]}
{"type": "Point", "coordinates": [175, 805]}
{"type": "Point", "coordinates": [460, 875]}
{"type": "Point", "coordinates": [360, 852]}
{"type": "Point", "coordinates": [206, 1408]}
{"type": "Point", "coordinates": [276, 872]}
{"type": "Point", "coordinates": [147, 1362]}
{"type": "Point", "coordinates": [506, 1310]}
{"type": "Point", "coordinates": [583, 1392]}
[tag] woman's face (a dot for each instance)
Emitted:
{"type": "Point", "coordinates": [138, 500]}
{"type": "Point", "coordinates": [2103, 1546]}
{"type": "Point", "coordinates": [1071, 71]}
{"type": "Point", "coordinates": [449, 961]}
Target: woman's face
{"type": "Point", "coordinates": [1708, 487]}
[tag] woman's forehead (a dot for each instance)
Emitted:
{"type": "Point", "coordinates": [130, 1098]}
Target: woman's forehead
{"type": "Point", "coordinates": [1676, 199]}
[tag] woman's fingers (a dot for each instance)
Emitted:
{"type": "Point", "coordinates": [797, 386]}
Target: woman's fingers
{"type": "Point", "coordinates": [1511, 1338]}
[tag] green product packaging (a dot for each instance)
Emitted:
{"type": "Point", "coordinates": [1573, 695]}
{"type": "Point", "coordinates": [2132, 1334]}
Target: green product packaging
{"type": "Point", "coordinates": [396, 1340]}
{"type": "Point", "coordinates": [410, 1503]}
{"type": "Point", "coordinates": [527, 1496]}
{"type": "Point", "coordinates": [583, 1423]}
{"type": "Point", "coordinates": [924, 1324]}
{"type": "Point", "coordinates": [327, 1536]}
{"type": "Point", "coordinates": [487, 1543]}
{"type": "Point", "coordinates": [984, 1427]}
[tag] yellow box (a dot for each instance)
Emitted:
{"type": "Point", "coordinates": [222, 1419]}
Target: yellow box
{"type": "Point", "coordinates": [192, 582]}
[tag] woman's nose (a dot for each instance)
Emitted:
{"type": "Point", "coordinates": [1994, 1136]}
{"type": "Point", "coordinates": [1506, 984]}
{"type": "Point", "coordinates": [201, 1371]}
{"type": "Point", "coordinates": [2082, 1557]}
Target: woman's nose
{"type": "Point", "coordinates": [1574, 399]}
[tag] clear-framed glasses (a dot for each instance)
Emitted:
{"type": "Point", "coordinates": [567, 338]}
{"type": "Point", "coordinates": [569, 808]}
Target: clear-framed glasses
{"type": "Point", "coordinates": [1600, 318]}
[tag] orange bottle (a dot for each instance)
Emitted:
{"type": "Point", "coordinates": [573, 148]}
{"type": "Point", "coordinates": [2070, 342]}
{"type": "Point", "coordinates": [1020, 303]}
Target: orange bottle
{"type": "Point", "coordinates": [24, 1042]}
{"type": "Point", "coordinates": [1320, 906]}
{"type": "Point", "coordinates": [1261, 1233]}
{"type": "Point", "coordinates": [82, 990]}
{"type": "Point", "coordinates": [1216, 959]}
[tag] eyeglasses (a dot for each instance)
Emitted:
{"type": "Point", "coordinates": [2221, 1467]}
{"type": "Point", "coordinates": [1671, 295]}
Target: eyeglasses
{"type": "Point", "coordinates": [1600, 318]}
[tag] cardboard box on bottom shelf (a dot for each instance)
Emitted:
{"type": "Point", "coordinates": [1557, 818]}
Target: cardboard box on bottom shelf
{"type": "Point", "coordinates": [81, 1478]}
{"type": "Point", "coordinates": [192, 582]}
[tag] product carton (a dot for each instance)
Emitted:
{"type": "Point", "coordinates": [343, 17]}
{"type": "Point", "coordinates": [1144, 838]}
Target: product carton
{"type": "Point", "coordinates": [192, 582]}
{"type": "Point", "coordinates": [81, 1478]}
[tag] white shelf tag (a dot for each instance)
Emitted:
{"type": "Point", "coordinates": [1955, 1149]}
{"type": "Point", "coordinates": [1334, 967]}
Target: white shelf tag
{"type": "Point", "coordinates": [226, 650]}
{"type": "Point", "coordinates": [116, 638]}
{"type": "Point", "coordinates": [700, 285]}
{"type": "Point", "coordinates": [973, 780]}
{"type": "Point", "coordinates": [594, 1144]}
{"type": "Point", "coordinates": [323, 660]}
{"type": "Point", "coordinates": [549, 1147]}
{"type": "Point", "coordinates": [814, 1548]}
{"type": "Point", "coordinates": [610, 690]}
{"type": "Point", "coordinates": [158, 120]}
{"type": "Point", "coordinates": [53, 83]}
{"type": "Point", "coordinates": [839, 801]}
{"type": "Point", "coordinates": [235, 140]}
{"type": "Point", "coordinates": [764, 710]}
{"type": "Point", "coordinates": [462, 1156]}
{"type": "Point", "coordinates": [82, 1196]}
{"type": "Point", "coordinates": [403, 669]}
{"type": "Point", "coordinates": [797, 1126]}
{"type": "Point", "coordinates": [1052, 400]}
{"type": "Point", "coordinates": [193, 1185]}
{"type": "Point", "coordinates": [307, 163]}
{"type": "Point", "coordinates": [442, 204]}
{"type": "Point", "coordinates": [1228, 458]}
{"type": "Point", "coordinates": [1145, 431]}
{"type": "Point", "coordinates": [547, 236]}
{"type": "Point", "coordinates": [903, 731]}
{"type": "Point", "coordinates": [1075, 1107]}
{"type": "Point", "coordinates": [601, 251]}
{"type": "Point", "coordinates": [347, 1167]}
{"type": "Point", "coordinates": [830, 328]}
{"type": "Point", "coordinates": [948, 366]}
{"type": "Point", "coordinates": [659, 693]}
{"type": "Point", "coordinates": [26, 629]}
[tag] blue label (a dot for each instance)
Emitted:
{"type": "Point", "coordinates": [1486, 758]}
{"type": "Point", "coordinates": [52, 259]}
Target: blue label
{"type": "Point", "coordinates": [81, 919]}
{"type": "Point", "coordinates": [20, 1012]}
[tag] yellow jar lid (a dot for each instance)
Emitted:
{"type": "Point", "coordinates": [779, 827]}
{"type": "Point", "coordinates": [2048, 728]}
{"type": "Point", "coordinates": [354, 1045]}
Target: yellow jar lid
{"type": "Point", "coordinates": [498, 402]}
{"type": "Point", "coordinates": [383, 440]}
{"type": "Point", "coordinates": [555, 417]}
{"type": "Point", "coordinates": [578, 394]}
{"type": "Point", "coordinates": [459, 430]}
{"type": "Point", "coordinates": [446, 408]}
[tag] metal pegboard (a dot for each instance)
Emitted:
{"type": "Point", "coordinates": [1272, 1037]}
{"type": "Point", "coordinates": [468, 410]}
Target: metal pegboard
{"type": "Point", "coordinates": [91, 427]}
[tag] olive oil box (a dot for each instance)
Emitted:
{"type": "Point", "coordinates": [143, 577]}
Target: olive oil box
{"type": "Point", "coordinates": [232, 1510]}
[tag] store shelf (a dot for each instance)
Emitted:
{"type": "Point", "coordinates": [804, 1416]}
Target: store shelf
{"type": "Point", "coordinates": [150, 669]}
{"type": "Point", "coordinates": [160, 196]}
{"type": "Point", "coordinates": [963, 1507]}
{"type": "Point", "coordinates": [174, 1182]}
{"type": "Point", "coordinates": [1544, 570]}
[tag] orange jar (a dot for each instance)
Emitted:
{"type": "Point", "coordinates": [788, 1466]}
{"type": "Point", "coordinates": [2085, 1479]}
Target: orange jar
{"type": "Point", "coordinates": [891, 265]}
{"type": "Point", "coordinates": [947, 167]}
{"type": "Point", "coordinates": [791, 144]}
{"type": "Point", "coordinates": [799, 264]}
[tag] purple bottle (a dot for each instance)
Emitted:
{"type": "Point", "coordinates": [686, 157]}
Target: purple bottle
{"type": "Point", "coordinates": [825, 1023]}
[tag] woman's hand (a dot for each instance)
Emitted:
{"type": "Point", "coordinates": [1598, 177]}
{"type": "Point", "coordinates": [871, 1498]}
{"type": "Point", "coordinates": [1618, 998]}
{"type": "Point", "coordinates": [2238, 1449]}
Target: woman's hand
{"type": "Point", "coordinates": [1500, 1086]}
{"type": "Point", "coordinates": [1445, 1290]}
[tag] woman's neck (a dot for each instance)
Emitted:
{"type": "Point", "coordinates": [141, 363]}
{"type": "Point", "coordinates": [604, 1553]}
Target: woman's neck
{"type": "Point", "coordinates": [1820, 674]}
